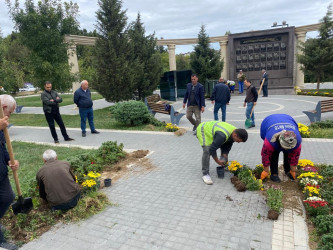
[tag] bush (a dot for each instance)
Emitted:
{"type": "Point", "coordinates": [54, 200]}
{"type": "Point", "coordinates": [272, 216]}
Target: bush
{"type": "Point", "coordinates": [131, 113]}
{"type": "Point", "coordinates": [326, 242]}
{"type": "Point", "coordinates": [110, 152]}
{"type": "Point", "coordinates": [323, 223]}
{"type": "Point", "coordinates": [322, 124]}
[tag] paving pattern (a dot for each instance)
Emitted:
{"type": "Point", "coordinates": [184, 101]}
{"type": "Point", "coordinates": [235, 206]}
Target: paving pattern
{"type": "Point", "coordinates": [170, 207]}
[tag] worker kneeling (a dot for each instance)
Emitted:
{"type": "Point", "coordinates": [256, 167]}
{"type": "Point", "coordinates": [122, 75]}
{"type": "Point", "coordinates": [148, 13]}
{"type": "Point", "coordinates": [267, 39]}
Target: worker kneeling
{"type": "Point", "coordinates": [56, 183]}
{"type": "Point", "coordinates": [214, 135]}
{"type": "Point", "coordinates": [280, 133]}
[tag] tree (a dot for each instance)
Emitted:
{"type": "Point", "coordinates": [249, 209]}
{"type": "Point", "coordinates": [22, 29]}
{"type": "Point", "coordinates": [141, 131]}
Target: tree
{"type": "Point", "coordinates": [205, 61]}
{"type": "Point", "coordinates": [14, 64]}
{"type": "Point", "coordinates": [183, 61]}
{"type": "Point", "coordinates": [115, 70]}
{"type": "Point", "coordinates": [42, 28]}
{"type": "Point", "coordinates": [146, 57]}
{"type": "Point", "coordinates": [317, 57]}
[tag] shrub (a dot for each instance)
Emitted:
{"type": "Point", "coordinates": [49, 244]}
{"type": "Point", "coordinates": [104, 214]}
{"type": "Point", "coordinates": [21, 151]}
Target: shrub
{"type": "Point", "coordinates": [323, 223]}
{"type": "Point", "coordinates": [326, 242]}
{"type": "Point", "coordinates": [246, 176]}
{"type": "Point", "coordinates": [322, 124]}
{"type": "Point", "coordinates": [131, 113]}
{"type": "Point", "coordinates": [109, 152]}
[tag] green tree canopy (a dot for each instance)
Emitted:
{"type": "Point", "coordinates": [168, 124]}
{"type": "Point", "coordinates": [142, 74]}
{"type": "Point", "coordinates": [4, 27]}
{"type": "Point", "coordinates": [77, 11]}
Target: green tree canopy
{"type": "Point", "coordinates": [146, 57]}
{"type": "Point", "coordinates": [205, 61]}
{"type": "Point", "coordinates": [42, 28]}
{"type": "Point", "coordinates": [317, 57]}
{"type": "Point", "coordinates": [115, 71]}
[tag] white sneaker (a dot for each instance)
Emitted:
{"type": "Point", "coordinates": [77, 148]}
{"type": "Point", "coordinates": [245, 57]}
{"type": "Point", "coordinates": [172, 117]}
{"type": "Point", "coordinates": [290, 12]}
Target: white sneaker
{"type": "Point", "coordinates": [206, 178]}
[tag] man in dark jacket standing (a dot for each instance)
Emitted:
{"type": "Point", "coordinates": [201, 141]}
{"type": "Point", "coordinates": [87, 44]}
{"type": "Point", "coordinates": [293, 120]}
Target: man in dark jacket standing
{"type": "Point", "coordinates": [265, 85]}
{"type": "Point", "coordinates": [51, 101]}
{"type": "Point", "coordinates": [251, 101]}
{"type": "Point", "coordinates": [221, 97]}
{"type": "Point", "coordinates": [6, 193]}
{"type": "Point", "coordinates": [195, 98]}
{"type": "Point", "coordinates": [82, 98]}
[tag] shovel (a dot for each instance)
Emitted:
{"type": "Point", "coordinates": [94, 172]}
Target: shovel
{"type": "Point", "coordinates": [248, 122]}
{"type": "Point", "coordinates": [22, 205]}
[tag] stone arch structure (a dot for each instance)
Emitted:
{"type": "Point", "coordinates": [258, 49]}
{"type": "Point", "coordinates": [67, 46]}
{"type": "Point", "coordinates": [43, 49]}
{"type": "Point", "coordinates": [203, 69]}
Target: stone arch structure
{"type": "Point", "coordinates": [299, 36]}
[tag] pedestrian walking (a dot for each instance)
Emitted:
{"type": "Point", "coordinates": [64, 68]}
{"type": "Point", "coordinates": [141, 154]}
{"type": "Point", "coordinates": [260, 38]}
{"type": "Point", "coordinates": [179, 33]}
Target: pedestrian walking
{"type": "Point", "coordinates": [220, 98]}
{"type": "Point", "coordinates": [250, 101]}
{"type": "Point", "coordinates": [195, 99]}
{"type": "Point", "coordinates": [51, 100]}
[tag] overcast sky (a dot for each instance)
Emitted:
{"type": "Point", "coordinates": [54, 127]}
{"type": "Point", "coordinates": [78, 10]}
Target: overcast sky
{"type": "Point", "coordinates": [183, 18]}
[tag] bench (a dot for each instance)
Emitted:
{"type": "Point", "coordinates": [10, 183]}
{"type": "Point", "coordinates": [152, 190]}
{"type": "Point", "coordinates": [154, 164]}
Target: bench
{"type": "Point", "coordinates": [155, 105]}
{"type": "Point", "coordinates": [19, 108]}
{"type": "Point", "coordinates": [322, 107]}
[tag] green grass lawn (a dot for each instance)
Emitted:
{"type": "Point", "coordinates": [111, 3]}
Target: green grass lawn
{"type": "Point", "coordinates": [35, 101]}
{"type": "Point", "coordinates": [321, 133]}
{"type": "Point", "coordinates": [30, 157]}
{"type": "Point", "coordinates": [102, 120]}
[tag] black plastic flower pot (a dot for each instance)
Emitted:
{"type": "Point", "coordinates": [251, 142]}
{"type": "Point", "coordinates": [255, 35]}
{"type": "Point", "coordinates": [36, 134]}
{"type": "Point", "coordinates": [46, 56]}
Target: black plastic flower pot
{"type": "Point", "coordinates": [220, 172]}
{"type": "Point", "coordinates": [107, 182]}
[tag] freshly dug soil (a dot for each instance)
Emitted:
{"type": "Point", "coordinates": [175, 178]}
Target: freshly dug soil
{"type": "Point", "coordinates": [273, 215]}
{"type": "Point", "coordinates": [241, 187]}
{"type": "Point", "coordinates": [234, 179]}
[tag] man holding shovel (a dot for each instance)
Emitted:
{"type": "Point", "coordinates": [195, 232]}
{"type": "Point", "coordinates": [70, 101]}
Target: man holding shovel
{"type": "Point", "coordinates": [250, 101]}
{"type": "Point", "coordinates": [6, 193]}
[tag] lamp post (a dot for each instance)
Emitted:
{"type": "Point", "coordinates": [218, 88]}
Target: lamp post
{"type": "Point", "coordinates": [284, 23]}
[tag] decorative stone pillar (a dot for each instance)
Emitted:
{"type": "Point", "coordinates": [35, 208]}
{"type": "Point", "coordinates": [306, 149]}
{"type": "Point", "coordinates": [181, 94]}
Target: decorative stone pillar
{"type": "Point", "coordinates": [72, 61]}
{"type": "Point", "coordinates": [223, 51]}
{"type": "Point", "coordinates": [172, 56]}
{"type": "Point", "coordinates": [300, 37]}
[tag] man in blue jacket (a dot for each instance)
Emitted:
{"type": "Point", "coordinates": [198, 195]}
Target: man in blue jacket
{"type": "Point", "coordinates": [195, 98]}
{"type": "Point", "coordinates": [82, 98]}
{"type": "Point", "coordinates": [221, 97]}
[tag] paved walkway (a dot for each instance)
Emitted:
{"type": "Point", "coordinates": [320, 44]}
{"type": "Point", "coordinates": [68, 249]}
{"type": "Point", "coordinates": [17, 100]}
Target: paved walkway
{"type": "Point", "coordinates": [170, 207]}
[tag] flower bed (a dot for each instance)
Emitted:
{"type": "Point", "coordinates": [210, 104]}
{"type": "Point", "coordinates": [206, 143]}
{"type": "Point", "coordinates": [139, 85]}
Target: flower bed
{"type": "Point", "coordinates": [317, 185]}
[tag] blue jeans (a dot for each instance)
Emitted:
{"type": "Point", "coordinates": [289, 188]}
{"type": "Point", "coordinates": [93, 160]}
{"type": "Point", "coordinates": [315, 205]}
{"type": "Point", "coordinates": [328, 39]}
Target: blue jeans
{"type": "Point", "coordinates": [241, 86]}
{"type": "Point", "coordinates": [248, 112]}
{"type": "Point", "coordinates": [223, 107]}
{"type": "Point", "coordinates": [84, 113]}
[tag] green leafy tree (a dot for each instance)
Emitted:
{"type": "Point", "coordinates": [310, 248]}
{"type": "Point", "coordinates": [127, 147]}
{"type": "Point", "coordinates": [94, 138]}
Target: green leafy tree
{"type": "Point", "coordinates": [146, 57]}
{"type": "Point", "coordinates": [165, 61]}
{"type": "Point", "coordinates": [205, 61]}
{"type": "Point", "coordinates": [115, 70]}
{"type": "Point", "coordinates": [317, 57]}
{"type": "Point", "coordinates": [42, 28]}
{"type": "Point", "coordinates": [183, 61]}
{"type": "Point", "coordinates": [14, 64]}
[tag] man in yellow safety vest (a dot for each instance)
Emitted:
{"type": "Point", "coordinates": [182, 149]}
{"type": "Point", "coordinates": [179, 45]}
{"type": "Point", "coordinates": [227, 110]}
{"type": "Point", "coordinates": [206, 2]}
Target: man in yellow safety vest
{"type": "Point", "coordinates": [214, 135]}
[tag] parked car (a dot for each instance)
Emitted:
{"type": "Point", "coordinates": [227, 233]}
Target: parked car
{"type": "Point", "coordinates": [28, 87]}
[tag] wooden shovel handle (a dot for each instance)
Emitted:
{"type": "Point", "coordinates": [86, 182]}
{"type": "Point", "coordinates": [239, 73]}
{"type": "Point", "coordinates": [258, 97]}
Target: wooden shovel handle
{"type": "Point", "coordinates": [11, 154]}
{"type": "Point", "coordinates": [262, 83]}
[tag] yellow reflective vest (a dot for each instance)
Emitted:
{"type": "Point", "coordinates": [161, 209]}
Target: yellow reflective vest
{"type": "Point", "coordinates": [207, 130]}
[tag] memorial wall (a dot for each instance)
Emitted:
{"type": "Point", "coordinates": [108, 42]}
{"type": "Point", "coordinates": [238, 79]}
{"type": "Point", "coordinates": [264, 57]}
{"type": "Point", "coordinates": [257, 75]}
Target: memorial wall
{"type": "Point", "coordinates": [272, 50]}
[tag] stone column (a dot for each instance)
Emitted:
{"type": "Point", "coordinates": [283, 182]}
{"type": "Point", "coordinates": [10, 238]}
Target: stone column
{"type": "Point", "coordinates": [172, 56]}
{"type": "Point", "coordinates": [72, 61]}
{"type": "Point", "coordinates": [300, 37]}
{"type": "Point", "coordinates": [223, 51]}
